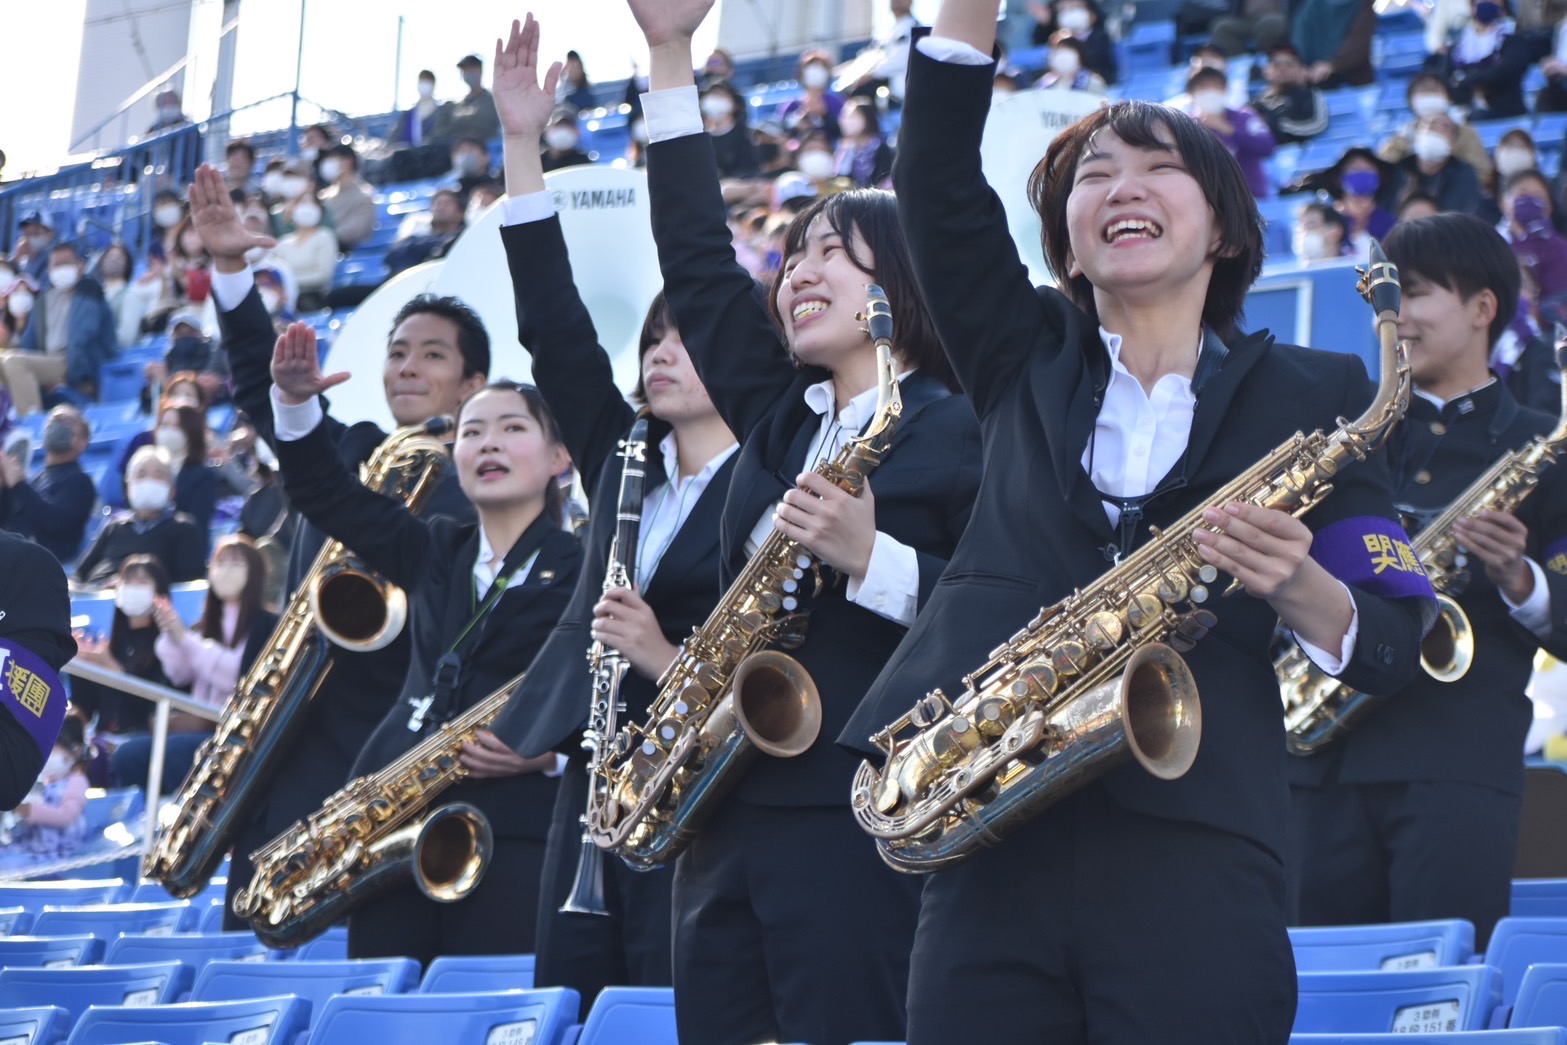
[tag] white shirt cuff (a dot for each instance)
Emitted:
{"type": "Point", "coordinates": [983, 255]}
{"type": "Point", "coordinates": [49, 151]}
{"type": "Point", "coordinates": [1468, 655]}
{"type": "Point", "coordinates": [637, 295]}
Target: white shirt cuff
{"type": "Point", "coordinates": [955, 52]}
{"type": "Point", "coordinates": [560, 765]}
{"type": "Point", "coordinates": [891, 585]}
{"type": "Point", "coordinates": [1325, 660]}
{"type": "Point", "coordinates": [1534, 612]}
{"type": "Point", "coordinates": [675, 112]}
{"type": "Point", "coordinates": [292, 422]}
{"type": "Point", "coordinates": [230, 288]}
{"type": "Point", "coordinates": [530, 207]}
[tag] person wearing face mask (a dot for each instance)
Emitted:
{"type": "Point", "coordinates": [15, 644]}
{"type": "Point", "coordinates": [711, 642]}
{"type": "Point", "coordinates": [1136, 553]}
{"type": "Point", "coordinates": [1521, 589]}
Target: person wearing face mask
{"type": "Point", "coordinates": [1319, 234]}
{"type": "Point", "coordinates": [309, 251]}
{"type": "Point", "coordinates": [814, 160]}
{"type": "Point", "coordinates": [473, 116]}
{"type": "Point", "coordinates": [1244, 134]}
{"type": "Point", "coordinates": [1082, 20]}
{"type": "Point", "coordinates": [207, 658]}
{"type": "Point", "coordinates": [181, 433]}
{"type": "Point", "coordinates": [69, 335]}
{"type": "Point", "coordinates": [470, 163]}
{"type": "Point", "coordinates": [1428, 97]}
{"type": "Point", "coordinates": [412, 122]}
{"type": "Point", "coordinates": [1067, 71]}
{"type": "Point", "coordinates": [1359, 184]}
{"type": "Point", "coordinates": [862, 155]}
{"type": "Point", "coordinates": [167, 210]}
{"type": "Point", "coordinates": [560, 141]}
{"type": "Point", "coordinates": [190, 267]}
{"type": "Point", "coordinates": [31, 253]}
{"type": "Point", "coordinates": [170, 113]}
{"type": "Point", "coordinates": [349, 200]}
{"type": "Point", "coordinates": [817, 107]}
{"type": "Point", "coordinates": [1432, 168]}
{"type": "Point", "coordinates": [724, 116]}
{"type": "Point", "coordinates": [51, 823]}
{"type": "Point", "coordinates": [53, 507]}
{"type": "Point", "coordinates": [150, 526]}
{"type": "Point", "coordinates": [1485, 62]}
{"type": "Point", "coordinates": [129, 299]}
{"type": "Point", "coordinates": [1526, 205]}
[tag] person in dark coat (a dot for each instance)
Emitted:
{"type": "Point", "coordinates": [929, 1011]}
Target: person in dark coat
{"type": "Point", "coordinates": [53, 507]}
{"type": "Point", "coordinates": [35, 643]}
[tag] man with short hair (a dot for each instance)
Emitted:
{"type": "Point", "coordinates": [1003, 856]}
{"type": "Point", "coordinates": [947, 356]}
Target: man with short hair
{"type": "Point", "coordinates": [472, 117]}
{"type": "Point", "coordinates": [470, 165]}
{"type": "Point", "coordinates": [1293, 108]}
{"type": "Point", "coordinates": [348, 199]}
{"type": "Point", "coordinates": [170, 112]}
{"type": "Point", "coordinates": [562, 141]}
{"type": "Point", "coordinates": [446, 224]}
{"type": "Point", "coordinates": [31, 253]}
{"type": "Point", "coordinates": [151, 526]}
{"type": "Point", "coordinates": [71, 334]}
{"type": "Point", "coordinates": [239, 168]}
{"type": "Point", "coordinates": [413, 123]}
{"type": "Point", "coordinates": [53, 507]}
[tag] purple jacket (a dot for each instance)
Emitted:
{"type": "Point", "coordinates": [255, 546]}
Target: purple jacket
{"type": "Point", "coordinates": [1250, 144]}
{"type": "Point", "coordinates": [1544, 254]}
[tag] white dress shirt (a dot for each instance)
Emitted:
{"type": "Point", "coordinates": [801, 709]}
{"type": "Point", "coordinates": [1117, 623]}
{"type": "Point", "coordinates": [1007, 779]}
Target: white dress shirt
{"type": "Point", "coordinates": [666, 508]}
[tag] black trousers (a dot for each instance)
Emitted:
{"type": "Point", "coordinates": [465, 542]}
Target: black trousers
{"type": "Point", "coordinates": [1095, 924]}
{"type": "Point", "coordinates": [788, 927]}
{"type": "Point", "coordinates": [1402, 852]}
{"type": "Point", "coordinates": [496, 918]}
{"type": "Point", "coordinates": [628, 947]}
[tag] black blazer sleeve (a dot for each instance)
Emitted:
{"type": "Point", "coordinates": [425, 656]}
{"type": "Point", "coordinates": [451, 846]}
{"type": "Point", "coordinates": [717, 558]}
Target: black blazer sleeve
{"type": "Point", "coordinates": [381, 530]}
{"type": "Point", "coordinates": [976, 288]}
{"type": "Point", "coordinates": [64, 509]}
{"type": "Point", "coordinates": [570, 367]}
{"type": "Point", "coordinates": [248, 338]}
{"type": "Point", "coordinates": [727, 331]}
{"type": "Point", "coordinates": [1545, 513]}
{"type": "Point", "coordinates": [38, 618]}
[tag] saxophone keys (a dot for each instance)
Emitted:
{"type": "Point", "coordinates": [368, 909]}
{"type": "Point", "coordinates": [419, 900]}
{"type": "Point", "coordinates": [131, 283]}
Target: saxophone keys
{"type": "Point", "coordinates": [1069, 658]}
{"type": "Point", "coordinates": [1172, 589]}
{"type": "Point", "coordinates": [769, 601]}
{"type": "Point", "coordinates": [1199, 593]}
{"type": "Point", "coordinates": [930, 709]}
{"type": "Point", "coordinates": [993, 716]}
{"type": "Point", "coordinates": [1034, 681]}
{"type": "Point", "coordinates": [1143, 609]}
{"type": "Point", "coordinates": [1208, 573]}
{"type": "Point", "coordinates": [1104, 629]}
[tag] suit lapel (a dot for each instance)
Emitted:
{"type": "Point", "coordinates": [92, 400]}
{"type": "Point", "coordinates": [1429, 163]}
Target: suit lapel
{"type": "Point", "coordinates": [1216, 394]}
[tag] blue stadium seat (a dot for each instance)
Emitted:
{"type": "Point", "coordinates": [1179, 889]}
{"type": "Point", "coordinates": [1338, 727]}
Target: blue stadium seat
{"type": "Point", "coordinates": [212, 918]}
{"type": "Point", "coordinates": [36, 895]}
{"type": "Point", "coordinates": [459, 974]}
{"type": "Point", "coordinates": [313, 981]}
{"type": "Point", "coordinates": [1539, 898]}
{"type": "Point", "coordinates": [154, 892]}
{"type": "Point", "coordinates": [1278, 230]}
{"type": "Point", "coordinates": [1517, 943]}
{"type": "Point", "coordinates": [49, 952]}
{"type": "Point", "coordinates": [1403, 945]}
{"type": "Point", "coordinates": [1531, 1036]}
{"type": "Point", "coordinates": [73, 990]}
{"type": "Point", "coordinates": [111, 919]}
{"type": "Point", "coordinates": [1454, 998]}
{"type": "Point", "coordinates": [14, 920]}
{"type": "Point", "coordinates": [632, 1016]}
{"type": "Point", "coordinates": [537, 1017]}
{"type": "Point", "coordinates": [1542, 997]}
{"type": "Point", "coordinates": [258, 1021]}
{"type": "Point", "coordinates": [43, 1025]}
{"type": "Point", "coordinates": [194, 949]}
{"type": "Point", "coordinates": [331, 945]}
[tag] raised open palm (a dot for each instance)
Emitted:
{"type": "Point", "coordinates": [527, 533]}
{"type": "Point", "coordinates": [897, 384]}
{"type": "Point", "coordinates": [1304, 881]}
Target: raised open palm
{"type": "Point", "coordinates": [216, 220]}
{"type": "Point", "coordinates": [524, 105]}
{"type": "Point", "coordinates": [296, 366]}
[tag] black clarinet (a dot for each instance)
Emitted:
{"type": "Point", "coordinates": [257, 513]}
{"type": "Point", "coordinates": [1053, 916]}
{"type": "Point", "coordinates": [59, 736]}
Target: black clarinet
{"type": "Point", "coordinates": [608, 667]}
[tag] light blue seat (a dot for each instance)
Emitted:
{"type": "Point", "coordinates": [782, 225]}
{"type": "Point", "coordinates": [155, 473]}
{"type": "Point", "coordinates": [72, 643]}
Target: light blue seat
{"type": "Point", "coordinates": [1530, 1036]}
{"type": "Point", "coordinates": [1517, 943]}
{"type": "Point", "coordinates": [1401, 945]}
{"type": "Point", "coordinates": [35, 896]}
{"type": "Point", "coordinates": [1452, 998]}
{"type": "Point", "coordinates": [154, 892]}
{"type": "Point", "coordinates": [1539, 898]}
{"type": "Point", "coordinates": [457, 974]}
{"type": "Point", "coordinates": [257, 1021]}
{"type": "Point", "coordinates": [212, 918]}
{"type": "Point", "coordinates": [330, 946]}
{"type": "Point", "coordinates": [14, 920]}
{"type": "Point", "coordinates": [538, 1017]}
{"type": "Point", "coordinates": [311, 980]}
{"type": "Point", "coordinates": [110, 919]}
{"type": "Point", "coordinates": [73, 990]}
{"type": "Point", "coordinates": [1542, 997]}
{"type": "Point", "coordinates": [49, 952]}
{"type": "Point", "coordinates": [43, 1025]}
{"type": "Point", "coordinates": [632, 1016]}
{"type": "Point", "coordinates": [194, 949]}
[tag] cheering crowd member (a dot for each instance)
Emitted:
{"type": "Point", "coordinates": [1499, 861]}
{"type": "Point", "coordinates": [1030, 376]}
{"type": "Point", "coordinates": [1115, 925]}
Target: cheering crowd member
{"type": "Point", "coordinates": [482, 599]}
{"type": "Point", "coordinates": [437, 355]}
{"type": "Point", "coordinates": [1414, 813]}
{"type": "Point", "coordinates": [35, 642]}
{"type": "Point", "coordinates": [780, 867]}
{"type": "Point", "coordinates": [689, 462]}
{"type": "Point", "coordinates": [1126, 398]}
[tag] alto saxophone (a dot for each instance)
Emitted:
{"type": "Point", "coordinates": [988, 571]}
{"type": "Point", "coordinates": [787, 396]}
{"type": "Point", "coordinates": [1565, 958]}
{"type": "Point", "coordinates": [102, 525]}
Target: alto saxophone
{"type": "Point", "coordinates": [722, 700]}
{"type": "Point", "coordinates": [1097, 676]}
{"type": "Point", "coordinates": [1318, 709]}
{"type": "Point", "coordinates": [339, 601]}
{"type": "Point", "coordinates": [608, 668]}
{"type": "Point", "coordinates": [369, 836]}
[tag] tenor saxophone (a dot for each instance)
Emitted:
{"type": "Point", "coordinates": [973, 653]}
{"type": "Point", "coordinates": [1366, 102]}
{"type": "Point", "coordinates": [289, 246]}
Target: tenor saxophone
{"type": "Point", "coordinates": [1319, 709]}
{"type": "Point", "coordinates": [725, 699]}
{"type": "Point", "coordinates": [1096, 677]}
{"type": "Point", "coordinates": [370, 836]}
{"type": "Point", "coordinates": [338, 602]}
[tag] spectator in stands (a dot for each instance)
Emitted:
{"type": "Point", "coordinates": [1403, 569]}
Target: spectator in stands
{"type": "Point", "coordinates": [239, 167]}
{"type": "Point", "coordinates": [171, 113]}
{"type": "Point", "coordinates": [1514, 153]}
{"type": "Point", "coordinates": [128, 301]}
{"type": "Point", "coordinates": [30, 256]}
{"type": "Point", "coordinates": [168, 210]}
{"type": "Point", "coordinates": [562, 141]}
{"type": "Point", "coordinates": [815, 161]}
{"type": "Point", "coordinates": [862, 155]}
{"type": "Point", "coordinates": [180, 388]}
{"type": "Point", "coordinates": [772, 149]}
{"type": "Point", "coordinates": [412, 122]}
{"type": "Point", "coordinates": [1363, 189]}
{"type": "Point", "coordinates": [1417, 205]}
{"type": "Point", "coordinates": [53, 507]}
{"type": "Point", "coordinates": [1428, 96]}
{"type": "Point", "coordinates": [51, 821]}
{"type": "Point", "coordinates": [1333, 38]}
{"type": "Point", "coordinates": [1524, 358]}
{"type": "Point", "coordinates": [574, 91]}
{"type": "Point", "coordinates": [816, 108]}
{"type": "Point", "coordinates": [191, 356]}
{"type": "Point", "coordinates": [151, 526]}
{"type": "Point", "coordinates": [1526, 205]}
{"type": "Point", "coordinates": [310, 251]}
{"type": "Point", "coordinates": [472, 117]}
{"type": "Point", "coordinates": [724, 117]}
{"type": "Point", "coordinates": [16, 302]}
{"type": "Point", "coordinates": [348, 198]}
{"type": "Point", "coordinates": [1485, 62]}
{"type": "Point", "coordinates": [471, 163]}
{"type": "Point", "coordinates": [1257, 26]}
{"type": "Point", "coordinates": [1067, 71]}
{"type": "Point", "coordinates": [719, 67]}
{"type": "Point", "coordinates": [1083, 20]}
{"type": "Point", "coordinates": [258, 222]}
{"type": "Point", "coordinates": [1435, 171]}
{"type": "Point", "coordinates": [1552, 97]}
{"type": "Point", "coordinates": [1321, 234]}
{"type": "Point", "coordinates": [206, 658]}
{"type": "Point", "coordinates": [1242, 131]}
{"type": "Point", "coordinates": [1292, 106]}
{"type": "Point", "coordinates": [479, 200]}
{"type": "Point", "coordinates": [68, 337]}
{"type": "Point", "coordinates": [298, 182]}
{"type": "Point", "coordinates": [886, 63]}
{"type": "Point", "coordinates": [446, 224]}
{"type": "Point", "coordinates": [190, 266]}
{"type": "Point", "coordinates": [181, 434]}
{"type": "Point", "coordinates": [275, 294]}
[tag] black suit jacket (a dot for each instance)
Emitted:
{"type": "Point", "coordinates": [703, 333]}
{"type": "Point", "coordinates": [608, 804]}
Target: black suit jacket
{"type": "Point", "coordinates": [1471, 730]}
{"type": "Point", "coordinates": [1035, 368]}
{"type": "Point", "coordinates": [924, 486]}
{"type": "Point", "coordinates": [35, 613]}
{"type": "Point", "coordinates": [433, 561]}
{"type": "Point", "coordinates": [574, 373]}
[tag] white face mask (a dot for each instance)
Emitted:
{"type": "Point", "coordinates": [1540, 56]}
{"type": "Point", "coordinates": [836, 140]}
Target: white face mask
{"type": "Point", "coordinates": [426, 89]}
{"type": "Point", "coordinates": [331, 168]}
{"type": "Point", "coordinates": [815, 77]}
{"type": "Point", "coordinates": [560, 139]}
{"type": "Point", "coordinates": [1510, 159]}
{"type": "Point", "coordinates": [815, 164]}
{"type": "Point", "coordinates": [59, 764]}
{"type": "Point", "coordinates": [307, 215]}
{"type": "Point", "coordinates": [1209, 103]}
{"type": "Point", "coordinates": [1310, 245]}
{"type": "Point", "coordinates": [134, 600]}
{"type": "Point", "coordinates": [1426, 106]}
{"type": "Point", "coordinates": [148, 495]}
{"type": "Point", "coordinates": [227, 579]}
{"type": "Point", "coordinates": [171, 440]}
{"type": "Point", "coordinates": [1065, 62]}
{"type": "Point", "coordinates": [167, 215]}
{"type": "Point", "coordinates": [309, 154]}
{"type": "Point", "coordinates": [1074, 19]}
{"type": "Point", "coordinates": [717, 106]}
{"type": "Point", "coordinates": [293, 186]}
{"type": "Point", "coordinates": [1432, 147]}
{"type": "Point", "coordinates": [64, 276]}
{"type": "Point", "coordinates": [20, 303]}
{"type": "Point", "coordinates": [272, 183]}
{"type": "Point", "coordinates": [270, 300]}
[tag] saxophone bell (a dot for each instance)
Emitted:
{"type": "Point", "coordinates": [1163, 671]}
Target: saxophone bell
{"type": "Point", "coordinates": [448, 851]}
{"type": "Point", "coordinates": [1449, 647]}
{"type": "Point", "coordinates": [777, 705]}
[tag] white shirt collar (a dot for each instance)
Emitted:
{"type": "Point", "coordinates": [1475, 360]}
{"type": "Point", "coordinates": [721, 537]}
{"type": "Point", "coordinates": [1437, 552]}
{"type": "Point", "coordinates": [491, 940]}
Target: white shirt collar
{"type": "Point", "coordinates": [1440, 403]}
{"type": "Point", "coordinates": [1112, 343]}
{"type": "Point", "coordinates": [856, 413]}
{"type": "Point", "coordinates": [670, 451]}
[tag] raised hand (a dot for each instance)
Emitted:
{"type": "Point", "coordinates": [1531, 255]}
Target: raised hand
{"type": "Point", "coordinates": [216, 220]}
{"type": "Point", "coordinates": [296, 366]}
{"type": "Point", "coordinates": [523, 104]}
{"type": "Point", "coordinates": [669, 21]}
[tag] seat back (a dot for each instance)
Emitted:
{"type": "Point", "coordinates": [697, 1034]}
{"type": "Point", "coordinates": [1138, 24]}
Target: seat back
{"type": "Point", "coordinates": [459, 974]}
{"type": "Point", "coordinates": [194, 949]}
{"type": "Point", "coordinates": [110, 919]}
{"type": "Point", "coordinates": [15, 920]}
{"type": "Point", "coordinates": [1517, 943]}
{"type": "Point", "coordinates": [73, 990]}
{"type": "Point", "coordinates": [1402, 945]}
{"type": "Point", "coordinates": [1425, 1001]}
{"type": "Point", "coordinates": [1529, 1036]}
{"type": "Point", "coordinates": [43, 1025]}
{"type": "Point", "coordinates": [34, 896]}
{"type": "Point", "coordinates": [154, 892]}
{"type": "Point", "coordinates": [1539, 897]}
{"type": "Point", "coordinates": [1542, 997]}
{"type": "Point", "coordinates": [536, 1017]}
{"type": "Point", "coordinates": [314, 981]}
{"type": "Point", "coordinates": [331, 945]}
{"type": "Point", "coordinates": [631, 1016]}
{"type": "Point", "coordinates": [258, 1021]}
{"type": "Point", "coordinates": [49, 952]}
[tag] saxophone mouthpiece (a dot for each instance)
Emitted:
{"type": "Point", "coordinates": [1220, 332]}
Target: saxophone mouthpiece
{"type": "Point", "coordinates": [1381, 282]}
{"type": "Point", "coordinates": [879, 313]}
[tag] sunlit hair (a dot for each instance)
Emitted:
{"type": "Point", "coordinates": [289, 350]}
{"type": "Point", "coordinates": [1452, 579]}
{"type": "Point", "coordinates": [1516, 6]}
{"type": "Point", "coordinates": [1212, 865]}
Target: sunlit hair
{"type": "Point", "coordinates": [1460, 253]}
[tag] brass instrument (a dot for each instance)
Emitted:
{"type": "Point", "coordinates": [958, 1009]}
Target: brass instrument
{"type": "Point", "coordinates": [1097, 676]}
{"type": "Point", "coordinates": [724, 699]}
{"type": "Point", "coordinates": [608, 668]}
{"type": "Point", "coordinates": [369, 836]}
{"type": "Point", "coordinates": [1318, 709]}
{"type": "Point", "coordinates": [339, 600]}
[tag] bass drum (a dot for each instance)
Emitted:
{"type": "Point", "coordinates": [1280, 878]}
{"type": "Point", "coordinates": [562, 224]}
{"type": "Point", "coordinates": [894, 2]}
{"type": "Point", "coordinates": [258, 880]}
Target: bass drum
{"type": "Point", "coordinates": [607, 223]}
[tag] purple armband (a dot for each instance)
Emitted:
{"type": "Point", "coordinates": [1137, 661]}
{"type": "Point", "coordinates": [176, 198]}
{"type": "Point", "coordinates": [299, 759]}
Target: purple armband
{"type": "Point", "coordinates": [1554, 558]}
{"type": "Point", "coordinates": [1373, 554]}
{"type": "Point", "coordinates": [31, 691]}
